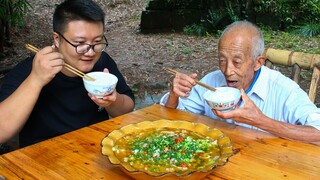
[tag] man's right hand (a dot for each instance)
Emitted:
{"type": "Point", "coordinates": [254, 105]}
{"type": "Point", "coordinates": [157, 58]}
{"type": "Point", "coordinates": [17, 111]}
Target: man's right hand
{"type": "Point", "coordinates": [181, 86]}
{"type": "Point", "coordinates": [46, 64]}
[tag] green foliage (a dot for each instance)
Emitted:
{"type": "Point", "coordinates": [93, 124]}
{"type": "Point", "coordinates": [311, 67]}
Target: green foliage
{"type": "Point", "coordinates": [134, 89]}
{"type": "Point", "coordinates": [267, 33]}
{"type": "Point", "coordinates": [195, 29]}
{"type": "Point", "coordinates": [282, 9]}
{"type": "Point", "coordinates": [13, 11]}
{"type": "Point", "coordinates": [288, 12]}
{"type": "Point", "coordinates": [291, 12]}
{"type": "Point", "coordinates": [214, 17]}
{"type": "Point", "coordinates": [233, 12]}
{"type": "Point", "coordinates": [311, 29]}
{"type": "Point", "coordinates": [11, 14]}
{"type": "Point", "coordinates": [290, 41]}
{"type": "Point", "coordinates": [311, 10]}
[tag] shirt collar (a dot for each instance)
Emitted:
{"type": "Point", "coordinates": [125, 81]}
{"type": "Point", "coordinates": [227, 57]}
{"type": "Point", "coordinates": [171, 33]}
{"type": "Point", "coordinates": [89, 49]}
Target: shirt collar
{"type": "Point", "coordinates": [260, 86]}
{"type": "Point", "coordinates": [254, 81]}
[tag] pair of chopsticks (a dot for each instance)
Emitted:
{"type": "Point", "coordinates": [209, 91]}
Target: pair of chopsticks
{"type": "Point", "coordinates": [198, 82]}
{"type": "Point", "coordinates": [67, 66]}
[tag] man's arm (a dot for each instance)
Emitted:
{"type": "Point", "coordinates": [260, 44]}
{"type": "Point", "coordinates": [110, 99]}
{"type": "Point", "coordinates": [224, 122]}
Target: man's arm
{"type": "Point", "coordinates": [16, 109]}
{"type": "Point", "coordinates": [122, 105]}
{"type": "Point", "coordinates": [252, 115]}
{"type": "Point", "coordinates": [307, 134]}
{"type": "Point", "coordinates": [173, 100]}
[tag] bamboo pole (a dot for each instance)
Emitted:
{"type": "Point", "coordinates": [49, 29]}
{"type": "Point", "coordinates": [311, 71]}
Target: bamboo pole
{"type": "Point", "coordinates": [288, 58]}
{"type": "Point", "coordinates": [314, 83]}
{"type": "Point", "coordinates": [295, 73]}
{"type": "Point", "coordinates": [298, 61]}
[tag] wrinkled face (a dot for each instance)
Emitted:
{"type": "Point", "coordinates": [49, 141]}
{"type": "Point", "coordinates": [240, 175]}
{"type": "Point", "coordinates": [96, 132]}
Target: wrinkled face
{"type": "Point", "coordinates": [235, 60]}
{"type": "Point", "coordinates": [80, 32]}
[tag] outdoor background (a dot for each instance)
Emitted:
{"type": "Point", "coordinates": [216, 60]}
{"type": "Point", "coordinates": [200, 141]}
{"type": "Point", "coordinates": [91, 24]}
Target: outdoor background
{"type": "Point", "coordinates": [142, 57]}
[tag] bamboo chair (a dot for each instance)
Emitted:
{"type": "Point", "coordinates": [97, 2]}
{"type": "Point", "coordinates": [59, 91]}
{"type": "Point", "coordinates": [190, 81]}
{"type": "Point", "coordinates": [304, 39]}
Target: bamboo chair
{"type": "Point", "coordinates": [298, 61]}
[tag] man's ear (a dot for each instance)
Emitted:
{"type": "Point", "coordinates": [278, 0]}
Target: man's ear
{"type": "Point", "coordinates": [56, 39]}
{"type": "Point", "coordinates": [259, 62]}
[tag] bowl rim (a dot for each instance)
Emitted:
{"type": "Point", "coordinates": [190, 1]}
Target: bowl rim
{"type": "Point", "coordinates": [100, 72]}
{"type": "Point", "coordinates": [226, 146]}
{"type": "Point", "coordinates": [236, 99]}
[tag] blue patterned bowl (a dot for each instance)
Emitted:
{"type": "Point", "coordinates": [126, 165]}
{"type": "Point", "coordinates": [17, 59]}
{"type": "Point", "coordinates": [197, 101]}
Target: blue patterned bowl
{"type": "Point", "coordinates": [104, 83]}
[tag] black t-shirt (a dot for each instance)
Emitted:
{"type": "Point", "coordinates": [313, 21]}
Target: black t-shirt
{"type": "Point", "coordinates": [63, 104]}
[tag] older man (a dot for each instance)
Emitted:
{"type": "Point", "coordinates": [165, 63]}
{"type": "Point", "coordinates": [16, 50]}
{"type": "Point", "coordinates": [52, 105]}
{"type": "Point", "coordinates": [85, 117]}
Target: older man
{"type": "Point", "coordinates": [270, 101]}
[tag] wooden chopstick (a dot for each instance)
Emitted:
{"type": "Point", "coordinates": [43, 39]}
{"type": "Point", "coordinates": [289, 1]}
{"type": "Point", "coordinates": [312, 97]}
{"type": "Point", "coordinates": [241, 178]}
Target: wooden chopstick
{"type": "Point", "coordinates": [32, 48]}
{"type": "Point", "coordinates": [67, 66]}
{"type": "Point", "coordinates": [198, 82]}
{"type": "Point", "coordinates": [77, 72]}
{"type": "Point", "coordinates": [74, 72]}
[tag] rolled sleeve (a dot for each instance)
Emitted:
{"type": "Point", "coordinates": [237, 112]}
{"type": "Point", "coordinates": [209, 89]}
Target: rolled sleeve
{"type": "Point", "coordinates": [314, 120]}
{"type": "Point", "coordinates": [164, 100]}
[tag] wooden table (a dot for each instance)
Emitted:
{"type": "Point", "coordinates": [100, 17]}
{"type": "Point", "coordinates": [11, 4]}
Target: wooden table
{"type": "Point", "coordinates": [77, 155]}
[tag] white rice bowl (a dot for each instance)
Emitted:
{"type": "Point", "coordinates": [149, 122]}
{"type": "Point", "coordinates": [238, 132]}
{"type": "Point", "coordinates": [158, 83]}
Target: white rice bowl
{"type": "Point", "coordinates": [104, 83]}
{"type": "Point", "coordinates": [224, 98]}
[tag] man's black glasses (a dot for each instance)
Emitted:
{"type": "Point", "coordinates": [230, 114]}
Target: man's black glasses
{"type": "Point", "coordinates": [84, 48]}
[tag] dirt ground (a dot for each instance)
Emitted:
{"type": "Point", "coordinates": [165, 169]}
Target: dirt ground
{"type": "Point", "coordinates": [140, 57]}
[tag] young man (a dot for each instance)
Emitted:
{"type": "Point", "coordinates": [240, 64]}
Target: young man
{"type": "Point", "coordinates": [270, 101]}
{"type": "Point", "coordinates": [41, 99]}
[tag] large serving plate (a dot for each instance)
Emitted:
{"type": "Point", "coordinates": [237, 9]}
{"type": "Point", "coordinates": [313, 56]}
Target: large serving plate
{"type": "Point", "coordinates": [224, 144]}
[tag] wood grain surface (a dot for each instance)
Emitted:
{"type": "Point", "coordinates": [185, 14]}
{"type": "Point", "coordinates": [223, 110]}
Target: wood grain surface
{"type": "Point", "coordinates": [77, 155]}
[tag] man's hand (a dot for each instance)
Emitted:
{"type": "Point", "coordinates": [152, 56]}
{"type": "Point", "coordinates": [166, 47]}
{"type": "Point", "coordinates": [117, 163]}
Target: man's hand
{"type": "Point", "coordinates": [46, 64]}
{"type": "Point", "coordinates": [106, 100]}
{"type": "Point", "coordinates": [248, 114]}
{"type": "Point", "coordinates": [182, 84]}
